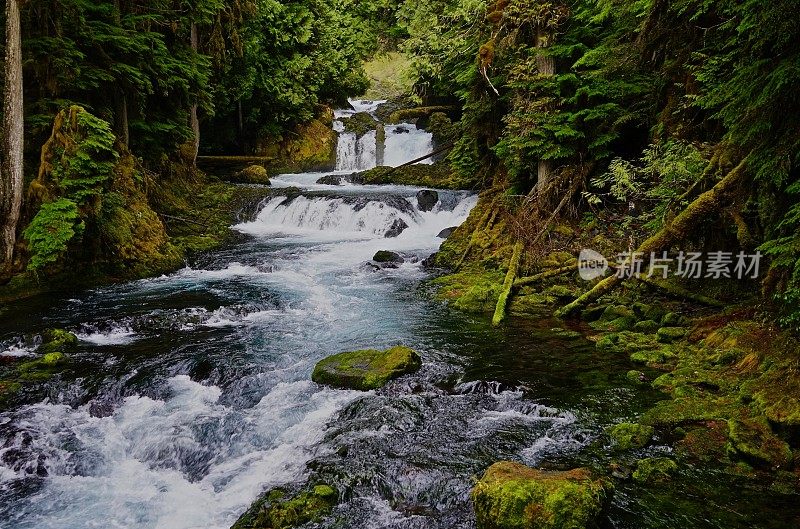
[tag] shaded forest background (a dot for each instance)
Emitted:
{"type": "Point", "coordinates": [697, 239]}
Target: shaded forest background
{"type": "Point", "coordinates": [608, 111]}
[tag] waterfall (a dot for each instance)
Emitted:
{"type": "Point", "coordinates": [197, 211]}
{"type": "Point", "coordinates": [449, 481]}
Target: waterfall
{"type": "Point", "coordinates": [403, 142]}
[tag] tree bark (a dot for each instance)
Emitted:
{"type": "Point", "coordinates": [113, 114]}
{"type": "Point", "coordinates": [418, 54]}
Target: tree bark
{"type": "Point", "coordinates": [121, 116]}
{"type": "Point", "coordinates": [11, 174]}
{"type": "Point", "coordinates": [194, 122]}
{"type": "Point", "coordinates": [677, 230]}
{"type": "Point", "coordinates": [547, 67]}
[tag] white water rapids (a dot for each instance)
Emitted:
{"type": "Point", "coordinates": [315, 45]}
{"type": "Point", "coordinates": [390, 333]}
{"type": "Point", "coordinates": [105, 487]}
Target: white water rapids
{"type": "Point", "coordinates": [194, 395]}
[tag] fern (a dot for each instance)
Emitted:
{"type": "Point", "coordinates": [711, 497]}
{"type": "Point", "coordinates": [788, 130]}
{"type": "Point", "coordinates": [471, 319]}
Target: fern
{"type": "Point", "coordinates": [52, 229]}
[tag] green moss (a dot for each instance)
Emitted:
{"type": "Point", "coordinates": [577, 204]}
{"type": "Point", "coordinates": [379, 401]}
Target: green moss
{"type": "Point", "coordinates": [436, 175]}
{"type": "Point", "coordinates": [754, 440]}
{"type": "Point", "coordinates": [654, 470]}
{"type": "Point", "coordinates": [57, 340]}
{"type": "Point", "coordinates": [689, 409]}
{"type": "Point", "coordinates": [360, 123]}
{"type": "Point", "coordinates": [629, 436]}
{"type": "Point", "coordinates": [470, 291]}
{"type": "Point", "coordinates": [278, 510]}
{"type": "Point", "coordinates": [670, 334]}
{"type": "Point", "coordinates": [252, 174]}
{"type": "Point", "coordinates": [513, 496]}
{"type": "Point", "coordinates": [310, 146]}
{"type": "Point", "coordinates": [367, 369]}
{"type": "Point", "coordinates": [646, 326]}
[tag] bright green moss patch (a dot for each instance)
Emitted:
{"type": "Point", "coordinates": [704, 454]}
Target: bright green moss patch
{"type": "Point", "coordinates": [513, 496]}
{"type": "Point", "coordinates": [754, 440]}
{"type": "Point", "coordinates": [628, 436]}
{"type": "Point", "coordinates": [654, 470]}
{"type": "Point", "coordinates": [277, 509]}
{"type": "Point", "coordinates": [57, 340]}
{"type": "Point", "coordinates": [367, 369]}
{"type": "Point", "coordinates": [470, 291]}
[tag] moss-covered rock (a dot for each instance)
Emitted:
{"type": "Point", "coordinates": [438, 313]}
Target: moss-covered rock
{"type": "Point", "coordinates": [754, 440]}
{"type": "Point", "coordinates": [513, 496]}
{"type": "Point", "coordinates": [252, 174]}
{"type": "Point", "coordinates": [57, 340]}
{"type": "Point", "coordinates": [629, 436]}
{"type": "Point", "coordinates": [646, 326]}
{"type": "Point", "coordinates": [360, 123]}
{"type": "Point", "coordinates": [438, 175]}
{"type": "Point", "coordinates": [654, 470]}
{"type": "Point", "coordinates": [471, 291]}
{"type": "Point", "coordinates": [278, 509]}
{"type": "Point", "coordinates": [367, 369]}
{"type": "Point", "coordinates": [310, 147]}
{"type": "Point", "coordinates": [670, 334]}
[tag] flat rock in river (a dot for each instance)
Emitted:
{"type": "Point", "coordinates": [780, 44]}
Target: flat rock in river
{"type": "Point", "coordinates": [367, 369]}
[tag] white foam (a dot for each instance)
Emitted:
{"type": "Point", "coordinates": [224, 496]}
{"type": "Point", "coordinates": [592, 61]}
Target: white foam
{"type": "Point", "coordinates": [115, 336]}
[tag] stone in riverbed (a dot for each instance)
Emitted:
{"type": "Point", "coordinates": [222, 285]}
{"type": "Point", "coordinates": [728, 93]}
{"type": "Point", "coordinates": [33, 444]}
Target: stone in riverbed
{"type": "Point", "coordinates": [513, 496]}
{"type": "Point", "coordinates": [367, 369]}
{"type": "Point", "coordinates": [385, 256]}
{"type": "Point", "coordinates": [278, 509]}
{"type": "Point", "coordinates": [427, 199]}
{"type": "Point", "coordinates": [331, 180]}
{"type": "Point", "coordinates": [57, 340]}
{"type": "Point", "coordinates": [629, 436]}
{"type": "Point", "coordinates": [396, 228]}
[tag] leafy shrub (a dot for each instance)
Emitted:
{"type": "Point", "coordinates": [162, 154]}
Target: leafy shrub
{"type": "Point", "coordinates": [54, 226]}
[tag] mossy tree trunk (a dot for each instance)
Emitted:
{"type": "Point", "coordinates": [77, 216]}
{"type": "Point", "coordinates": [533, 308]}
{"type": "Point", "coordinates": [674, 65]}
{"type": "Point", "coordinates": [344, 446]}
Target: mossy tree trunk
{"type": "Point", "coordinates": [121, 128]}
{"type": "Point", "coordinates": [679, 229]}
{"type": "Point", "coordinates": [11, 174]}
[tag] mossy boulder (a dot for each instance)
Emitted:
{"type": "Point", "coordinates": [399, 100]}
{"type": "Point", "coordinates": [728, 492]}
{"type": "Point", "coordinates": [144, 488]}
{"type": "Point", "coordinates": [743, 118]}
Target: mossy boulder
{"type": "Point", "coordinates": [647, 326]}
{"type": "Point", "coordinates": [252, 174]}
{"type": "Point", "coordinates": [513, 496]}
{"type": "Point", "coordinates": [279, 509]}
{"type": "Point", "coordinates": [359, 123]}
{"type": "Point", "coordinates": [367, 369]}
{"type": "Point", "coordinates": [654, 470]}
{"type": "Point", "coordinates": [310, 146]}
{"type": "Point", "coordinates": [753, 440]}
{"type": "Point", "coordinates": [630, 436]}
{"type": "Point", "coordinates": [57, 340]}
{"type": "Point", "coordinates": [670, 334]}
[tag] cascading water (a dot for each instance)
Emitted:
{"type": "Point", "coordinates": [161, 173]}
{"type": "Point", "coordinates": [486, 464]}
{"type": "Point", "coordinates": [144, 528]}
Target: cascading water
{"type": "Point", "coordinates": [189, 394]}
{"type": "Point", "coordinates": [403, 142]}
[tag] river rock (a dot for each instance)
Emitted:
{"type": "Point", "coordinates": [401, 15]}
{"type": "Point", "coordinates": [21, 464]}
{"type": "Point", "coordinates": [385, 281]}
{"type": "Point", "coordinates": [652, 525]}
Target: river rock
{"type": "Point", "coordinates": [447, 232]}
{"type": "Point", "coordinates": [512, 495]}
{"type": "Point", "coordinates": [279, 509]}
{"type": "Point", "coordinates": [57, 341]}
{"type": "Point", "coordinates": [385, 256]}
{"type": "Point", "coordinates": [427, 199]}
{"type": "Point", "coordinates": [396, 228]}
{"type": "Point", "coordinates": [367, 369]}
{"type": "Point", "coordinates": [331, 180]}
{"type": "Point", "coordinates": [252, 174]}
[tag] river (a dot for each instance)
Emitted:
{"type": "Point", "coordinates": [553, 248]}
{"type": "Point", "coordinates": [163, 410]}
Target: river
{"type": "Point", "coordinates": [190, 393]}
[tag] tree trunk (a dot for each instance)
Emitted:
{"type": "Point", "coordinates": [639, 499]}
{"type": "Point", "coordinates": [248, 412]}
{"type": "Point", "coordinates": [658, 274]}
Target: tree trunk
{"type": "Point", "coordinates": [677, 230]}
{"type": "Point", "coordinates": [121, 116]}
{"type": "Point", "coordinates": [547, 67]}
{"type": "Point", "coordinates": [508, 284]}
{"type": "Point", "coordinates": [11, 175]}
{"type": "Point", "coordinates": [194, 122]}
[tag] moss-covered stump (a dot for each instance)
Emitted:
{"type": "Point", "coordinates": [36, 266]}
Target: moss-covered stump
{"type": "Point", "coordinates": [367, 369]}
{"type": "Point", "coordinates": [629, 436]}
{"type": "Point", "coordinates": [278, 509]}
{"type": "Point", "coordinates": [513, 496]}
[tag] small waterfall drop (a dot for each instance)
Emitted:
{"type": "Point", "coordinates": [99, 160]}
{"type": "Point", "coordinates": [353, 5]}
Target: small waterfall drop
{"type": "Point", "coordinates": [403, 142]}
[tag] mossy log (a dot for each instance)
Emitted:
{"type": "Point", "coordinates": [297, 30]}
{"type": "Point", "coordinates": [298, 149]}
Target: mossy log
{"type": "Point", "coordinates": [554, 272]}
{"type": "Point", "coordinates": [484, 223]}
{"type": "Point", "coordinates": [508, 284]}
{"type": "Point", "coordinates": [678, 292]}
{"type": "Point", "coordinates": [677, 230]}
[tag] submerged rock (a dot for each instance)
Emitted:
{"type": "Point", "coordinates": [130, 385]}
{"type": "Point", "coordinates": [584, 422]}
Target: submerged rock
{"type": "Point", "coordinates": [654, 470]}
{"type": "Point", "coordinates": [278, 509]}
{"type": "Point", "coordinates": [367, 369]}
{"type": "Point", "coordinates": [331, 180]}
{"type": "Point", "coordinates": [513, 496]}
{"type": "Point", "coordinates": [57, 340]}
{"type": "Point", "coordinates": [396, 228]}
{"type": "Point", "coordinates": [427, 199]}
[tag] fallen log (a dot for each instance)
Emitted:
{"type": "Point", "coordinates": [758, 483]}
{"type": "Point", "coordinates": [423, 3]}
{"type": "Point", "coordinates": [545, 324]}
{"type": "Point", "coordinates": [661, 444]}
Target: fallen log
{"type": "Point", "coordinates": [553, 272]}
{"type": "Point", "coordinates": [508, 284]}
